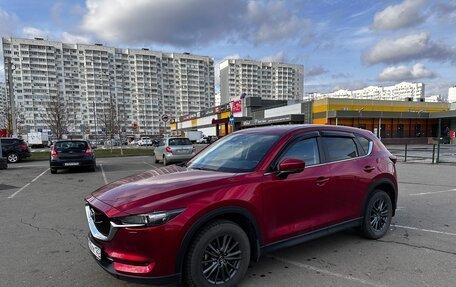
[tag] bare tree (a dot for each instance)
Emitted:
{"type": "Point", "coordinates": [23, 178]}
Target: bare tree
{"type": "Point", "coordinates": [56, 116]}
{"type": "Point", "coordinates": [109, 121]}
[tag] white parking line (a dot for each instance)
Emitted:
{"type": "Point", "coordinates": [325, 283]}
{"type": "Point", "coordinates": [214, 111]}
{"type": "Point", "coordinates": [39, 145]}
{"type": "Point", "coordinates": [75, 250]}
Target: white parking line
{"type": "Point", "coordinates": [327, 272]}
{"type": "Point", "coordinates": [433, 192]}
{"type": "Point", "coordinates": [22, 188]}
{"type": "Point", "coordinates": [103, 173]}
{"type": "Point", "coordinates": [153, 166]}
{"type": "Point", "coordinates": [424, 230]}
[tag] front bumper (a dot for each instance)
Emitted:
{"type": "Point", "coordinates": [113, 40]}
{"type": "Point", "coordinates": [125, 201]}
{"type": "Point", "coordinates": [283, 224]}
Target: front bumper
{"type": "Point", "coordinates": [107, 263]}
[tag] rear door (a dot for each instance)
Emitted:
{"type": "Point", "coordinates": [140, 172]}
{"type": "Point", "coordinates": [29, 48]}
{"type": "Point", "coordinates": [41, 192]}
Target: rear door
{"type": "Point", "coordinates": [71, 150]}
{"type": "Point", "coordinates": [351, 173]}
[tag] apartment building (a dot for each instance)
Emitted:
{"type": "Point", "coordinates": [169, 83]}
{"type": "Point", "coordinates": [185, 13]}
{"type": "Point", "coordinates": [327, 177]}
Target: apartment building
{"type": "Point", "coordinates": [404, 91]}
{"type": "Point", "coordinates": [93, 82]}
{"type": "Point", "coordinates": [268, 80]}
{"type": "Point", "coordinates": [3, 106]}
{"type": "Point", "coordinates": [452, 94]}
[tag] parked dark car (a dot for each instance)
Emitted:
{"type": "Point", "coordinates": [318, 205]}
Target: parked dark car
{"type": "Point", "coordinates": [250, 193]}
{"type": "Point", "coordinates": [15, 149]}
{"type": "Point", "coordinates": [72, 154]}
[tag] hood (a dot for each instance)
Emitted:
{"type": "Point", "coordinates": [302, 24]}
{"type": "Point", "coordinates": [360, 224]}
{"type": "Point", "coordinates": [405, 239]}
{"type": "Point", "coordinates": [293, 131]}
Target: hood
{"type": "Point", "coordinates": [138, 193]}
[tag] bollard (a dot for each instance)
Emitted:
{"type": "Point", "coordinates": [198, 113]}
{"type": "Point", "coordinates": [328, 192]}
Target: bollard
{"type": "Point", "coordinates": [433, 153]}
{"type": "Point", "coordinates": [405, 159]}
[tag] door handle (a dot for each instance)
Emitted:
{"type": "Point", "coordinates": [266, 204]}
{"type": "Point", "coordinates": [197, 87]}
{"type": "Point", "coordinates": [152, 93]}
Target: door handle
{"type": "Point", "coordinates": [322, 180]}
{"type": "Point", "coordinates": [368, 168]}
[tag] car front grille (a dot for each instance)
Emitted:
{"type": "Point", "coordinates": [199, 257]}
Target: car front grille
{"type": "Point", "coordinates": [101, 221]}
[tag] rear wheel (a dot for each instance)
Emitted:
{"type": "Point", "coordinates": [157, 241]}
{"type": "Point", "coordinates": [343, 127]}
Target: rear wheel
{"type": "Point", "coordinates": [219, 255]}
{"type": "Point", "coordinates": [12, 157]}
{"type": "Point", "coordinates": [377, 216]}
{"type": "Point", "coordinates": [156, 159]}
{"type": "Point", "coordinates": [92, 168]}
{"type": "Point", "coordinates": [53, 170]}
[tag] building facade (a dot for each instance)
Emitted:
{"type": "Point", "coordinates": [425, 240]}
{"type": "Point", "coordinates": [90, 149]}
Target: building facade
{"type": "Point", "coordinates": [93, 82]}
{"type": "Point", "coordinates": [404, 91]}
{"type": "Point", "coordinates": [3, 106]}
{"type": "Point", "coordinates": [268, 80]}
{"type": "Point", "coordinates": [452, 94]}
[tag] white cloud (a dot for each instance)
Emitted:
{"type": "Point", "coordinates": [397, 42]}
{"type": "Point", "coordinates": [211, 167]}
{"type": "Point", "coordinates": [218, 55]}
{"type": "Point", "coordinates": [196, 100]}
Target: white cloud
{"type": "Point", "coordinates": [410, 47]}
{"type": "Point", "coordinates": [403, 73]}
{"type": "Point", "coordinates": [67, 37]}
{"type": "Point", "coordinates": [8, 23]}
{"type": "Point", "coordinates": [314, 71]}
{"type": "Point", "coordinates": [280, 57]}
{"type": "Point", "coordinates": [194, 22]}
{"type": "Point", "coordinates": [399, 16]}
{"type": "Point", "coordinates": [32, 32]}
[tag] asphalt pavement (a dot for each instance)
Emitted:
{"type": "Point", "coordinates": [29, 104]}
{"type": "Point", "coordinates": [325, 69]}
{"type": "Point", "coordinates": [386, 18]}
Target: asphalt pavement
{"type": "Point", "coordinates": [44, 234]}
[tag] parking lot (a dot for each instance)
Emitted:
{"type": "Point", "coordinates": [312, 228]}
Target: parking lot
{"type": "Point", "coordinates": [44, 234]}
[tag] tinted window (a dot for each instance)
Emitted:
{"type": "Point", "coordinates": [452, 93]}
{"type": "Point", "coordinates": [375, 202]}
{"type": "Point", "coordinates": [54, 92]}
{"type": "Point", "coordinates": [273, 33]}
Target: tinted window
{"type": "Point", "coordinates": [235, 153]}
{"type": "Point", "coordinates": [339, 148]}
{"type": "Point", "coordinates": [179, 141]}
{"type": "Point", "coordinates": [70, 145]}
{"type": "Point", "coordinates": [306, 150]}
{"type": "Point", "coordinates": [364, 144]}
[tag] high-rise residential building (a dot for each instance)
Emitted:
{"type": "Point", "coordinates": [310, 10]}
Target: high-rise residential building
{"type": "Point", "coordinates": [94, 82]}
{"type": "Point", "coordinates": [268, 80]}
{"type": "Point", "coordinates": [3, 106]}
{"type": "Point", "coordinates": [452, 94]}
{"type": "Point", "coordinates": [404, 91]}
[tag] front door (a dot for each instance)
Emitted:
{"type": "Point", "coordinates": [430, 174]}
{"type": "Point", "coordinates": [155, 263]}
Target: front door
{"type": "Point", "coordinates": [293, 205]}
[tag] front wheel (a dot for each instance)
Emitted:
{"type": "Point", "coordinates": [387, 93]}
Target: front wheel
{"type": "Point", "coordinates": [377, 216]}
{"type": "Point", "coordinates": [219, 255]}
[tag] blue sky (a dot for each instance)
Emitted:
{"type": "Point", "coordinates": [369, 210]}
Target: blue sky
{"type": "Point", "coordinates": [342, 44]}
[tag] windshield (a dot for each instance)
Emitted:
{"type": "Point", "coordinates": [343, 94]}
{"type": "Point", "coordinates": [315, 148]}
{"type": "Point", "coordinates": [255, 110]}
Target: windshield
{"type": "Point", "coordinates": [180, 141]}
{"type": "Point", "coordinates": [235, 153]}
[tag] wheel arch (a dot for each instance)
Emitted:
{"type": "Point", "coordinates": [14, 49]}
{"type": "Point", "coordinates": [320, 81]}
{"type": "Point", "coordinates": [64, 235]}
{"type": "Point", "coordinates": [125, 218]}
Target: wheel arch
{"type": "Point", "coordinates": [385, 184]}
{"type": "Point", "coordinates": [238, 215]}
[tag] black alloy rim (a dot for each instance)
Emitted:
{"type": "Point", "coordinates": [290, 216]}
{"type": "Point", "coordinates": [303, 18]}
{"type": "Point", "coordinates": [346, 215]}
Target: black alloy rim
{"type": "Point", "coordinates": [221, 259]}
{"type": "Point", "coordinates": [379, 215]}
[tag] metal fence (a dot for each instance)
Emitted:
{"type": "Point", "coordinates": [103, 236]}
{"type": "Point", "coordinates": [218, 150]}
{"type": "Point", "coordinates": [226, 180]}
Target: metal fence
{"type": "Point", "coordinates": [424, 153]}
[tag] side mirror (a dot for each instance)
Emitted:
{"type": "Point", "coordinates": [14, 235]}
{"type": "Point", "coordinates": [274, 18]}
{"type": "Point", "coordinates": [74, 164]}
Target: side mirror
{"type": "Point", "coordinates": [290, 166]}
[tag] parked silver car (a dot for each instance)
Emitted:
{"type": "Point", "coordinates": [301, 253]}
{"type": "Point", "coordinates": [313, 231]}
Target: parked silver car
{"type": "Point", "coordinates": [174, 149]}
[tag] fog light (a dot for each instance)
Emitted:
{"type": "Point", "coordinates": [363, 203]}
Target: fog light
{"type": "Point", "coordinates": [137, 269]}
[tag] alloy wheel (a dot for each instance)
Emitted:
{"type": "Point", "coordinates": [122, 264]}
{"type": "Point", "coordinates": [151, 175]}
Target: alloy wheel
{"type": "Point", "coordinates": [379, 215]}
{"type": "Point", "coordinates": [12, 157]}
{"type": "Point", "coordinates": [221, 259]}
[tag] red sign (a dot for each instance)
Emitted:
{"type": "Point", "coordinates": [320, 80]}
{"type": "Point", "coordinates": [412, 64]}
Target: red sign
{"type": "Point", "coordinates": [237, 106]}
{"type": "Point", "coordinates": [3, 133]}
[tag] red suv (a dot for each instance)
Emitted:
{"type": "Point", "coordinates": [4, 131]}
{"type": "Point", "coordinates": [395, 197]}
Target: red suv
{"type": "Point", "coordinates": [249, 193]}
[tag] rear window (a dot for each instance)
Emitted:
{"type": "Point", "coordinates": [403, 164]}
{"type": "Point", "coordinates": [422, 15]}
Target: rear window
{"type": "Point", "coordinates": [179, 141]}
{"type": "Point", "coordinates": [364, 142]}
{"type": "Point", "coordinates": [338, 148]}
{"type": "Point", "coordinates": [70, 145]}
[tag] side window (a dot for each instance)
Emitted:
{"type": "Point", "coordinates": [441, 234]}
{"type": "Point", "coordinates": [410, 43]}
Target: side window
{"type": "Point", "coordinates": [306, 150]}
{"type": "Point", "coordinates": [338, 148]}
{"type": "Point", "coordinates": [364, 142]}
{"type": "Point", "coordinates": [161, 143]}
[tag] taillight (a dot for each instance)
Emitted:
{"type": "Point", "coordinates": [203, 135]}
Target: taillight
{"type": "Point", "coordinates": [22, 145]}
{"type": "Point", "coordinates": [54, 153]}
{"type": "Point", "coordinates": [168, 149]}
{"type": "Point", "coordinates": [88, 151]}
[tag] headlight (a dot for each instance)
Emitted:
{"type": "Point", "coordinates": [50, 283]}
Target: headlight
{"type": "Point", "coordinates": [150, 219]}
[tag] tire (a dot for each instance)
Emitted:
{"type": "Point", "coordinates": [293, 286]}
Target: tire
{"type": "Point", "coordinates": [53, 170]}
{"type": "Point", "coordinates": [156, 160]}
{"type": "Point", "coordinates": [165, 162]}
{"type": "Point", "coordinates": [209, 243]}
{"type": "Point", "coordinates": [92, 168]}
{"type": "Point", "coordinates": [12, 157]}
{"type": "Point", "coordinates": [377, 216]}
